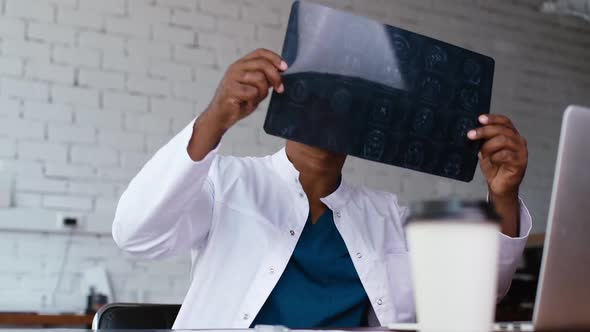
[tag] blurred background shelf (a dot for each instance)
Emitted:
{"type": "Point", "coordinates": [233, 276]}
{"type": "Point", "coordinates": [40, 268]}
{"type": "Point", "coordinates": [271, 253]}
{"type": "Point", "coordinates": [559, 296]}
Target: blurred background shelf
{"type": "Point", "coordinates": [536, 240]}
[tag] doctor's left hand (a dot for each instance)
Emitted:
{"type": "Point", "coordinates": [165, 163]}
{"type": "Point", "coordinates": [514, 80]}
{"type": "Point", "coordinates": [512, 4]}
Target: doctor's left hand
{"type": "Point", "coordinates": [503, 160]}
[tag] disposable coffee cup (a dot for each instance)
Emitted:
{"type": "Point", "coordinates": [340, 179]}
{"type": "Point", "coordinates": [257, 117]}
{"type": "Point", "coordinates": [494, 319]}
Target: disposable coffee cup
{"type": "Point", "coordinates": [454, 249]}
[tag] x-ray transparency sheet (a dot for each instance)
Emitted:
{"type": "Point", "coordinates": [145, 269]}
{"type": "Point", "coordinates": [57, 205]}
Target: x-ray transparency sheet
{"type": "Point", "coordinates": [362, 88]}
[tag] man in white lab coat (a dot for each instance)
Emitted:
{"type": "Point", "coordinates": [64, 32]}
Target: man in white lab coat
{"type": "Point", "coordinates": [283, 239]}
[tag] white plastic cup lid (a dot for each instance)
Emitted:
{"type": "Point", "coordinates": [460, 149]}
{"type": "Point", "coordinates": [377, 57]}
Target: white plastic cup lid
{"type": "Point", "coordinates": [453, 209]}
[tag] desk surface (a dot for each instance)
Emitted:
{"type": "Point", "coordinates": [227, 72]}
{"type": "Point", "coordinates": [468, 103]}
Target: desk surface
{"type": "Point", "coordinates": [33, 319]}
{"type": "Point", "coordinates": [220, 330]}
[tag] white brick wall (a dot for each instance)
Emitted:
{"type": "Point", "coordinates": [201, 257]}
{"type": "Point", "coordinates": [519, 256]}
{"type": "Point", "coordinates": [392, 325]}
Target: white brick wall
{"type": "Point", "coordinates": [67, 202]}
{"type": "Point", "coordinates": [148, 86]}
{"type": "Point", "coordinates": [12, 28]}
{"type": "Point", "coordinates": [98, 156]}
{"type": "Point", "coordinates": [25, 89]}
{"type": "Point", "coordinates": [101, 41]}
{"type": "Point", "coordinates": [79, 18]}
{"type": "Point", "coordinates": [9, 107]}
{"type": "Point", "coordinates": [122, 140]}
{"type": "Point", "coordinates": [49, 72]}
{"type": "Point", "coordinates": [26, 49]}
{"type": "Point", "coordinates": [39, 184]}
{"type": "Point", "coordinates": [69, 171]}
{"type": "Point", "coordinates": [68, 134]}
{"type": "Point", "coordinates": [42, 151]}
{"type": "Point", "coordinates": [90, 89]}
{"type": "Point", "coordinates": [127, 102]}
{"type": "Point", "coordinates": [152, 49]}
{"type": "Point", "coordinates": [7, 148]}
{"type": "Point", "coordinates": [75, 96]}
{"type": "Point", "coordinates": [76, 56]}
{"type": "Point", "coordinates": [101, 79]}
{"type": "Point", "coordinates": [51, 33]}
{"type": "Point", "coordinates": [19, 128]}
{"type": "Point", "coordinates": [30, 9]}
{"type": "Point", "coordinates": [100, 118]}
{"type": "Point", "coordinates": [11, 66]}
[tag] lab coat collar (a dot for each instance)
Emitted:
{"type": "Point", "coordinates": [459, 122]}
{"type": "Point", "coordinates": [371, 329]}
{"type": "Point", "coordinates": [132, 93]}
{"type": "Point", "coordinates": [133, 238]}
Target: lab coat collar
{"type": "Point", "coordinates": [289, 173]}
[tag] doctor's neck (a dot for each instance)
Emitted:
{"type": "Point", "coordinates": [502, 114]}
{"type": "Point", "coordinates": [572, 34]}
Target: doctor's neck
{"type": "Point", "coordinates": [320, 170]}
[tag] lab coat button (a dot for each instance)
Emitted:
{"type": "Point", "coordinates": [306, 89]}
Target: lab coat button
{"type": "Point", "coordinates": [338, 214]}
{"type": "Point", "coordinates": [292, 232]}
{"type": "Point", "coordinates": [301, 195]}
{"type": "Point", "coordinates": [359, 255]}
{"type": "Point", "coordinates": [246, 316]}
{"type": "Point", "coordinates": [379, 301]}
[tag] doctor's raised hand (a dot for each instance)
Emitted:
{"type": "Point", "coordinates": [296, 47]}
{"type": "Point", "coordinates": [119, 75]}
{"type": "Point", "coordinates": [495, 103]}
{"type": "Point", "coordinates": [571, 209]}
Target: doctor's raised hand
{"type": "Point", "coordinates": [503, 160]}
{"type": "Point", "coordinates": [245, 84]}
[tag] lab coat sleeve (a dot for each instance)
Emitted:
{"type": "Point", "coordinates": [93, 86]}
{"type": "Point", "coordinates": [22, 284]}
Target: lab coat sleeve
{"type": "Point", "coordinates": [511, 250]}
{"type": "Point", "coordinates": [167, 208]}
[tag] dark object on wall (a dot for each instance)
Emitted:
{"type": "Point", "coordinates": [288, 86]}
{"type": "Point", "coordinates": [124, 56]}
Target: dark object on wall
{"type": "Point", "coordinates": [358, 87]}
{"type": "Point", "coordinates": [95, 301]}
{"type": "Point", "coordinates": [135, 316]}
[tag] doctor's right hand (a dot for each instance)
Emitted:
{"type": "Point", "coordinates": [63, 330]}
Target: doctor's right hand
{"type": "Point", "coordinates": [245, 84]}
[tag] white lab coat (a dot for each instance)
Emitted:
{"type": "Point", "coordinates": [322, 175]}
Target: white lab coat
{"type": "Point", "coordinates": [241, 218]}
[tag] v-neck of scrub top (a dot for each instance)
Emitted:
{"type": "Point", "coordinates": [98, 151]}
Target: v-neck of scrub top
{"type": "Point", "coordinates": [320, 286]}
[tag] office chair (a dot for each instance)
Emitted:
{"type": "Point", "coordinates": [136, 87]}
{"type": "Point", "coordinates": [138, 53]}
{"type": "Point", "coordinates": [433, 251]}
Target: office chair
{"type": "Point", "coordinates": [135, 316]}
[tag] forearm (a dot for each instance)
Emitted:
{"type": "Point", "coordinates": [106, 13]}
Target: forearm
{"type": "Point", "coordinates": [508, 208]}
{"type": "Point", "coordinates": [207, 133]}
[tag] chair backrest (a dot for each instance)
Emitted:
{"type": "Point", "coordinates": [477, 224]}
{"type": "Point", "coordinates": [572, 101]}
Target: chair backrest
{"type": "Point", "coordinates": [135, 316]}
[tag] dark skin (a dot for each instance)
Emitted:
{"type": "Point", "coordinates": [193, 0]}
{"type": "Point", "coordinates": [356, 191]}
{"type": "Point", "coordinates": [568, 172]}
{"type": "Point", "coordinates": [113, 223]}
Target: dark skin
{"type": "Point", "coordinates": [319, 173]}
{"type": "Point", "coordinates": [503, 157]}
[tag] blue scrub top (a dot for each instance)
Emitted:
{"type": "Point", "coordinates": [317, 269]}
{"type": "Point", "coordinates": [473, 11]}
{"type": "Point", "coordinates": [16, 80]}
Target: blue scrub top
{"type": "Point", "coordinates": [320, 286]}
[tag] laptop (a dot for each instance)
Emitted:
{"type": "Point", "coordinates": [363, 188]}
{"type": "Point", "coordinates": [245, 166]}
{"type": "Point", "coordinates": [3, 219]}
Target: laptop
{"type": "Point", "coordinates": [374, 91]}
{"type": "Point", "coordinates": [563, 292]}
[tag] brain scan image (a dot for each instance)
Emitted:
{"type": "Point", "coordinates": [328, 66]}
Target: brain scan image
{"type": "Point", "coordinates": [332, 142]}
{"type": "Point", "coordinates": [461, 128]}
{"type": "Point", "coordinates": [359, 87]}
{"type": "Point", "coordinates": [435, 59]}
{"type": "Point", "coordinates": [423, 121]}
{"type": "Point", "coordinates": [341, 101]}
{"type": "Point", "coordinates": [402, 48]}
{"type": "Point", "coordinates": [472, 71]}
{"type": "Point", "coordinates": [374, 146]}
{"type": "Point", "coordinates": [288, 131]}
{"type": "Point", "coordinates": [298, 91]}
{"type": "Point", "coordinates": [415, 154]}
{"type": "Point", "coordinates": [453, 165]}
{"type": "Point", "coordinates": [382, 112]}
{"type": "Point", "coordinates": [431, 88]}
{"type": "Point", "coordinates": [469, 98]}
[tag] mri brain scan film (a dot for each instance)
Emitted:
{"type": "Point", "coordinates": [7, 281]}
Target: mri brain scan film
{"type": "Point", "coordinates": [358, 87]}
